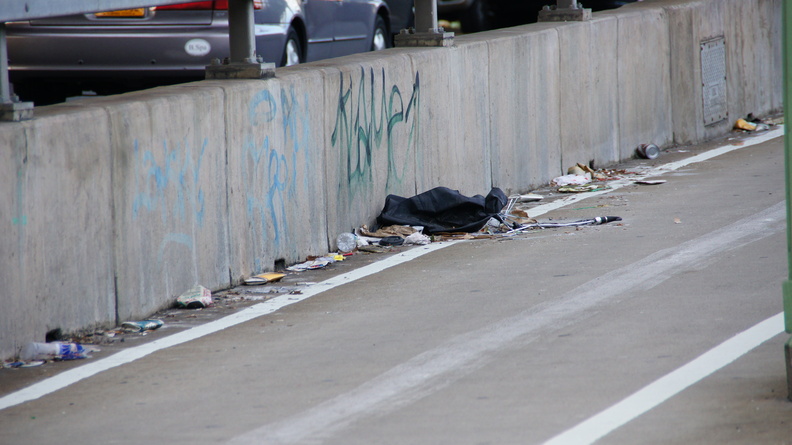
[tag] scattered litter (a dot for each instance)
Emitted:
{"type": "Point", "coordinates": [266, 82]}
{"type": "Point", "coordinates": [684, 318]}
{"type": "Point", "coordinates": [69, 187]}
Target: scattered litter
{"type": "Point", "coordinates": [565, 180]}
{"type": "Point", "coordinates": [391, 241]}
{"type": "Point", "coordinates": [648, 151]}
{"type": "Point", "coordinates": [346, 242]}
{"type": "Point", "coordinates": [530, 197]}
{"type": "Point", "coordinates": [393, 235]}
{"type": "Point", "coordinates": [34, 351]}
{"type": "Point", "coordinates": [32, 364]}
{"type": "Point", "coordinates": [393, 230]}
{"type": "Point", "coordinates": [269, 290]}
{"type": "Point", "coordinates": [318, 263]}
{"type": "Point", "coordinates": [582, 188]}
{"type": "Point", "coordinates": [745, 125]}
{"type": "Point", "coordinates": [583, 222]}
{"type": "Point", "coordinates": [264, 278]}
{"type": "Point", "coordinates": [374, 249]}
{"type": "Point", "coordinates": [578, 170]}
{"type": "Point", "coordinates": [651, 181]}
{"type": "Point", "coordinates": [363, 240]}
{"type": "Point", "coordinates": [677, 221]}
{"type": "Point", "coordinates": [21, 364]}
{"type": "Point", "coordinates": [140, 326]}
{"type": "Point", "coordinates": [519, 213]}
{"type": "Point", "coordinates": [584, 170]}
{"type": "Point", "coordinates": [417, 239]}
{"type": "Point", "coordinates": [195, 298]}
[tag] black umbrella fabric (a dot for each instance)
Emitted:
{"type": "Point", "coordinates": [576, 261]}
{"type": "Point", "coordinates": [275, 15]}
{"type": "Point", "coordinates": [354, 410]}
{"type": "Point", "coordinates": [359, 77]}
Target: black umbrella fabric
{"type": "Point", "coordinates": [443, 210]}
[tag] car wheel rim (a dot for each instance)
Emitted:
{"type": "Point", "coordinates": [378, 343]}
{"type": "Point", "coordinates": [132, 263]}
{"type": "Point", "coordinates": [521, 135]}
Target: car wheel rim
{"type": "Point", "coordinates": [292, 53]}
{"type": "Point", "coordinates": [379, 40]}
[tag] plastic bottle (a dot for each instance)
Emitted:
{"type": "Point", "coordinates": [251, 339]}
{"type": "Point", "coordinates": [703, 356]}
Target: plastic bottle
{"type": "Point", "coordinates": [52, 351]}
{"type": "Point", "coordinates": [346, 242]}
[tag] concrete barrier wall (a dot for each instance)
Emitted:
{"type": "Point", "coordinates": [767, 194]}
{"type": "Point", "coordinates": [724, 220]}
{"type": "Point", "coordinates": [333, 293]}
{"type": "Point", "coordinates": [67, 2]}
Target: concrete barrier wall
{"type": "Point", "coordinates": [170, 200]}
{"type": "Point", "coordinates": [524, 107]}
{"type": "Point", "coordinates": [56, 247]}
{"type": "Point", "coordinates": [114, 206]}
{"type": "Point", "coordinates": [275, 160]}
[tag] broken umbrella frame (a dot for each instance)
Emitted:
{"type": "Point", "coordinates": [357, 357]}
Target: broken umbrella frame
{"type": "Point", "coordinates": [516, 227]}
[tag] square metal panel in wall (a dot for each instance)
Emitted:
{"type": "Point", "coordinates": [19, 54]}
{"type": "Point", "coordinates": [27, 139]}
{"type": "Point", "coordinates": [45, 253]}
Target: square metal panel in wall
{"type": "Point", "coordinates": [713, 80]}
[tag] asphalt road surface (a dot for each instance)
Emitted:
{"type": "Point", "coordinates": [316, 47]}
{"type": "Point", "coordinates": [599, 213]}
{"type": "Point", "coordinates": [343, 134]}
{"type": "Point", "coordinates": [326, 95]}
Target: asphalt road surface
{"type": "Point", "coordinates": [663, 328]}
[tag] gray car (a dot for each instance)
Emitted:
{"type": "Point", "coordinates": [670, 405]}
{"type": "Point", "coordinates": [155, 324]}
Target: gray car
{"type": "Point", "coordinates": [174, 43]}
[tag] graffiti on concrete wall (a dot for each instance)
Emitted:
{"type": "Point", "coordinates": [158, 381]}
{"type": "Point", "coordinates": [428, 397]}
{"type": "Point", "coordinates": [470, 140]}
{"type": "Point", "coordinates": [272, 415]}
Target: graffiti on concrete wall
{"type": "Point", "coordinates": [167, 181]}
{"type": "Point", "coordinates": [269, 170]}
{"type": "Point", "coordinates": [372, 117]}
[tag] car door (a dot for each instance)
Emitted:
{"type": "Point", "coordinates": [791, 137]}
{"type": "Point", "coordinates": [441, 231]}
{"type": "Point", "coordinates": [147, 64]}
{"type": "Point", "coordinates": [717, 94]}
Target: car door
{"type": "Point", "coordinates": [354, 25]}
{"type": "Point", "coordinates": [319, 18]}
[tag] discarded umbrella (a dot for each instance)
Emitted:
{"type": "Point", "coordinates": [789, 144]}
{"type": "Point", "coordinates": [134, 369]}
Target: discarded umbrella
{"type": "Point", "coordinates": [583, 222]}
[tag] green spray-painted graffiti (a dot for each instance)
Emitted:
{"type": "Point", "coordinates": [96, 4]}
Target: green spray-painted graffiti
{"type": "Point", "coordinates": [364, 121]}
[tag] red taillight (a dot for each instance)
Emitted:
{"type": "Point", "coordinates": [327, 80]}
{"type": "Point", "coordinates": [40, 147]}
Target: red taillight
{"type": "Point", "coordinates": [206, 5]}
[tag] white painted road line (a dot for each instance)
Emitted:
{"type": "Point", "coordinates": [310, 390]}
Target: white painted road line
{"type": "Point", "coordinates": [656, 171]}
{"type": "Point", "coordinates": [435, 369]}
{"type": "Point", "coordinates": [652, 395]}
{"type": "Point", "coordinates": [74, 375]}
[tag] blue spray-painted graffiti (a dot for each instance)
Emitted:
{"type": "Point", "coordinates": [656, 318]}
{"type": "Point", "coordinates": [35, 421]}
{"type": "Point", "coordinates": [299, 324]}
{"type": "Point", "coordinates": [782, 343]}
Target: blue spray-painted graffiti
{"type": "Point", "coordinates": [360, 121]}
{"type": "Point", "coordinates": [156, 177]}
{"type": "Point", "coordinates": [270, 176]}
{"type": "Point", "coordinates": [167, 181]}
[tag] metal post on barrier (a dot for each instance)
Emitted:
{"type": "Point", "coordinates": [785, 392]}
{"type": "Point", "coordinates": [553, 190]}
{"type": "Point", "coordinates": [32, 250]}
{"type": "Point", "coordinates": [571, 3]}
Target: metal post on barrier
{"type": "Point", "coordinates": [426, 31]}
{"type": "Point", "coordinates": [787, 285]}
{"type": "Point", "coordinates": [242, 63]}
{"type": "Point", "coordinates": [241, 36]}
{"type": "Point", "coordinates": [11, 109]}
{"type": "Point", "coordinates": [565, 11]}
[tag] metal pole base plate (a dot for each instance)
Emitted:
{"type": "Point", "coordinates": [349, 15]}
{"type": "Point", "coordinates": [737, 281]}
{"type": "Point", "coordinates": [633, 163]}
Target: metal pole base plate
{"type": "Point", "coordinates": [433, 37]}
{"type": "Point", "coordinates": [240, 70]}
{"type": "Point", "coordinates": [565, 15]}
{"type": "Point", "coordinates": [16, 111]}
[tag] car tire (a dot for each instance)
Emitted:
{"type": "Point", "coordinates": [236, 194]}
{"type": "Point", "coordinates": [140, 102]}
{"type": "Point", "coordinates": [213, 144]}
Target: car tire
{"type": "Point", "coordinates": [477, 18]}
{"type": "Point", "coordinates": [292, 50]}
{"type": "Point", "coordinates": [381, 38]}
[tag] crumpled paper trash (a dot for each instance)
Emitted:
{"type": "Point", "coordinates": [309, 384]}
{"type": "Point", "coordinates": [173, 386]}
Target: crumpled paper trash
{"type": "Point", "coordinates": [195, 298]}
{"type": "Point", "coordinates": [571, 180]}
{"type": "Point", "coordinates": [417, 239]}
